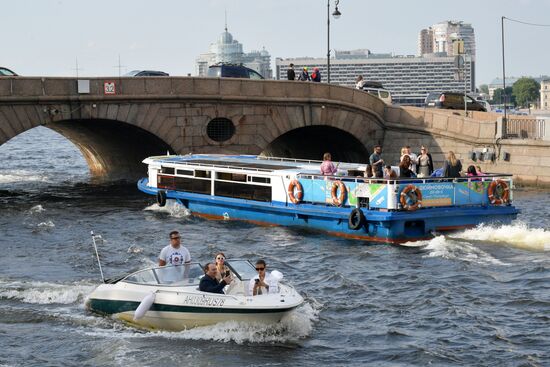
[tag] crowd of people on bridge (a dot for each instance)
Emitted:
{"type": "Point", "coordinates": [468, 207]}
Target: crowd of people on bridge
{"type": "Point", "coordinates": [304, 74]}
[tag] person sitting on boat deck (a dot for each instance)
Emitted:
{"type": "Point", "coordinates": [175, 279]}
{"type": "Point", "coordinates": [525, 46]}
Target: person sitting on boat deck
{"type": "Point", "coordinates": [452, 165]}
{"type": "Point", "coordinates": [209, 283]}
{"type": "Point", "coordinates": [368, 171]}
{"type": "Point", "coordinates": [471, 171]}
{"type": "Point", "coordinates": [377, 162]}
{"type": "Point", "coordinates": [223, 270]}
{"type": "Point", "coordinates": [405, 167]}
{"type": "Point", "coordinates": [479, 171]}
{"type": "Point", "coordinates": [327, 167]}
{"type": "Point", "coordinates": [389, 173]}
{"type": "Point", "coordinates": [263, 283]}
{"type": "Point", "coordinates": [174, 253]}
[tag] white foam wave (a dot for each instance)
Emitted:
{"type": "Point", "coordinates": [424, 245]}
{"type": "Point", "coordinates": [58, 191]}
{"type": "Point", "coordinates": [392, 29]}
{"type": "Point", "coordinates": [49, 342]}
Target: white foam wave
{"type": "Point", "coordinates": [452, 249]}
{"type": "Point", "coordinates": [516, 235]}
{"type": "Point", "coordinates": [37, 209]}
{"type": "Point", "coordinates": [134, 249]}
{"type": "Point", "coordinates": [297, 325]}
{"type": "Point", "coordinates": [47, 224]}
{"type": "Point", "coordinates": [44, 293]}
{"type": "Point", "coordinates": [21, 176]}
{"type": "Point", "coordinates": [172, 208]}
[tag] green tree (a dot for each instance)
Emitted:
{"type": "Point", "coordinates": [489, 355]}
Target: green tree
{"type": "Point", "coordinates": [526, 90]}
{"type": "Point", "coordinates": [484, 88]}
{"type": "Point", "coordinates": [498, 97]}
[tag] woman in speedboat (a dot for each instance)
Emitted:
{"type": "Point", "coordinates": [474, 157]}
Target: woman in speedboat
{"type": "Point", "coordinates": [264, 282]}
{"type": "Point", "coordinates": [223, 270]}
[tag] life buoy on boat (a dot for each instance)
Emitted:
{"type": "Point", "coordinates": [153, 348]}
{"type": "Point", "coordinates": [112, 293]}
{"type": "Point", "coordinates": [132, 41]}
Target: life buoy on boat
{"type": "Point", "coordinates": [356, 219]}
{"type": "Point", "coordinates": [498, 196]}
{"type": "Point", "coordinates": [338, 200]}
{"type": "Point", "coordinates": [295, 198]}
{"type": "Point", "coordinates": [408, 201]}
{"type": "Point", "coordinates": [161, 197]}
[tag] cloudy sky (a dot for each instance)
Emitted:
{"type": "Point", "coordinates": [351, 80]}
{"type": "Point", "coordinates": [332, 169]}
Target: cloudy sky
{"type": "Point", "coordinates": [45, 37]}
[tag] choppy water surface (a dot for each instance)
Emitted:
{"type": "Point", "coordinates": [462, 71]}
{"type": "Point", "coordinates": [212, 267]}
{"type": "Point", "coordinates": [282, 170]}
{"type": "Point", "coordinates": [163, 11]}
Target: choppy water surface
{"type": "Point", "coordinates": [478, 297]}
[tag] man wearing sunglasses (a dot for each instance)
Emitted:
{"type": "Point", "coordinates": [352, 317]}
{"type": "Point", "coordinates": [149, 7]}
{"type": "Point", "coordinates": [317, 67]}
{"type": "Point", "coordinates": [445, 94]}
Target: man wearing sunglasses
{"type": "Point", "coordinates": [174, 253]}
{"type": "Point", "coordinates": [263, 283]}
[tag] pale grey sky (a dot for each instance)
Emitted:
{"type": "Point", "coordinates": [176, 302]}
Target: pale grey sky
{"type": "Point", "coordinates": [44, 37]}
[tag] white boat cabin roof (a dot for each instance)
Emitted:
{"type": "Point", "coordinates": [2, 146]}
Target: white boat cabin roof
{"type": "Point", "coordinates": [248, 163]}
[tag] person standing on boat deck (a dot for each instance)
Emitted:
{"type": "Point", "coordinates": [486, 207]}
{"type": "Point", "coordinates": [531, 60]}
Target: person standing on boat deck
{"type": "Point", "coordinates": [263, 283]}
{"type": "Point", "coordinates": [414, 158]}
{"type": "Point", "coordinates": [290, 73]}
{"type": "Point", "coordinates": [174, 253]}
{"type": "Point", "coordinates": [425, 165]}
{"type": "Point", "coordinates": [452, 166]}
{"type": "Point", "coordinates": [327, 167]}
{"type": "Point", "coordinates": [377, 162]}
{"type": "Point", "coordinates": [223, 270]}
{"type": "Point", "coordinates": [209, 283]}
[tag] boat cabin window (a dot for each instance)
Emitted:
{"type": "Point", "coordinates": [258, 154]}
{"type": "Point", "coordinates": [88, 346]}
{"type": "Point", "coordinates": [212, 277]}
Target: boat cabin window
{"type": "Point", "coordinates": [203, 174]}
{"type": "Point", "coordinates": [265, 180]}
{"type": "Point", "coordinates": [180, 275]}
{"type": "Point", "coordinates": [227, 176]}
{"type": "Point", "coordinates": [184, 172]}
{"type": "Point", "coordinates": [242, 190]}
{"type": "Point", "coordinates": [167, 170]}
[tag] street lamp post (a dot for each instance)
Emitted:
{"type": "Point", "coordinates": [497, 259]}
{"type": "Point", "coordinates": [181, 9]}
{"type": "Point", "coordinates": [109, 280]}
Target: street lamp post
{"type": "Point", "coordinates": [503, 67]}
{"type": "Point", "coordinates": [336, 14]}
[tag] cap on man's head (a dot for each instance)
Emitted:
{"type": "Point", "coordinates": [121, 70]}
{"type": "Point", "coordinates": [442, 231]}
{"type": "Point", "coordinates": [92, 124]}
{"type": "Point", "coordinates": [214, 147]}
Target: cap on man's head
{"type": "Point", "coordinates": [316, 69]}
{"type": "Point", "coordinates": [291, 65]}
{"type": "Point", "coordinates": [174, 233]}
{"type": "Point", "coordinates": [305, 68]}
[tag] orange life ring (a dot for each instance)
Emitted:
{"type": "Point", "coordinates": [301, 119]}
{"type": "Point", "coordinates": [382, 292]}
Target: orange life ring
{"type": "Point", "coordinates": [295, 198]}
{"type": "Point", "coordinates": [404, 195]}
{"type": "Point", "coordinates": [338, 200]}
{"type": "Point", "coordinates": [494, 196]}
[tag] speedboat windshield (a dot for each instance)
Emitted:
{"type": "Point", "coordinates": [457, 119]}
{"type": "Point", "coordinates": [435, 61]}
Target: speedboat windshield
{"type": "Point", "coordinates": [178, 275]}
{"type": "Point", "coordinates": [242, 268]}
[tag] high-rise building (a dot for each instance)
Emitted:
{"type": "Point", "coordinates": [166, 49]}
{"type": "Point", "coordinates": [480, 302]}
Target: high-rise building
{"type": "Point", "coordinates": [228, 50]}
{"type": "Point", "coordinates": [439, 38]}
{"type": "Point", "coordinates": [409, 78]}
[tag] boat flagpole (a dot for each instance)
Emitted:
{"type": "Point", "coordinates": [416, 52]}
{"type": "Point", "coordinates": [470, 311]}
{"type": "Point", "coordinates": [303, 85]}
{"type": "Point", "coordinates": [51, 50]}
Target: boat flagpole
{"type": "Point", "coordinates": [97, 256]}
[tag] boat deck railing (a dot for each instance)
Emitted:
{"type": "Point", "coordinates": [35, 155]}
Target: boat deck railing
{"type": "Point", "coordinates": [370, 180]}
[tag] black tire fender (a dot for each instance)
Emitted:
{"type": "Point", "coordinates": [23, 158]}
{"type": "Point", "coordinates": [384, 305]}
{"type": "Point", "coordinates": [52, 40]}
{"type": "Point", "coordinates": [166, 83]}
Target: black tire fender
{"type": "Point", "coordinates": [161, 197]}
{"type": "Point", "coordinates": [356, 219]}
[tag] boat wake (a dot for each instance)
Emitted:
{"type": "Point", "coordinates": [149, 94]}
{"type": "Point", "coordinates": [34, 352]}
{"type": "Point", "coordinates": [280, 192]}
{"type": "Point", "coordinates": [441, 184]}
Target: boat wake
{"type": "Point", "coordinates": [517, 235]}
{"type": "Point", "coordinates": [18, 176]}
{"type": "Point", "coordinates": [172, 208]}
{"type": "Point", "coordinates": [456, 249]}
{"type": "Point", "coordinates": [294, 327]}
{"type": "Point", "coordinates": [44, 293]}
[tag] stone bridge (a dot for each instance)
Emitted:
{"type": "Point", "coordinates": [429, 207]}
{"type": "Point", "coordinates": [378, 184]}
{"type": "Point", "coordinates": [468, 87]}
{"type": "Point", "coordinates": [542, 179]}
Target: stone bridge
{"type": "Point", "coordinates": [117, 122]}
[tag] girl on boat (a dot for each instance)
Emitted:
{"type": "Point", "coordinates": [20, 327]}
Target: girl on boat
{"type": "Point", "coordinates": [327, 167]}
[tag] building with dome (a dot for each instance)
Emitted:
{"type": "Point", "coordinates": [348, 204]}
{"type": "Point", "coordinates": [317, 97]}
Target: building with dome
{"type": "Point", "coordinates": [228, 50]}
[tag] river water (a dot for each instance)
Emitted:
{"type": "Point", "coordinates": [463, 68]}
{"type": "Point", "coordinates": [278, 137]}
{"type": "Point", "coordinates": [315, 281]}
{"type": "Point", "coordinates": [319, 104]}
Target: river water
{"type": "Point", "coordinates": [479, 297]}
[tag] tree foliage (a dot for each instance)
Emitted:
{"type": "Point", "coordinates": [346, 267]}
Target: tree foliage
{"type": "Point", "coordinates": [484, 88]}
{"type": "Point", "coordinates": [526, 90]}
{"type": "Point", "coordinates": [498, 96]}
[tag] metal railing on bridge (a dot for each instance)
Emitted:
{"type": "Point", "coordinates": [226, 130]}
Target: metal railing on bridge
{"type": "Point", "coordinates": [527, 128]}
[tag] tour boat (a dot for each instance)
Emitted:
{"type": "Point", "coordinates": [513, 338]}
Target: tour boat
{"type": "Point", "coordinates": [168, 298]}
{"type": "Point", "coordinates": [292, 192]}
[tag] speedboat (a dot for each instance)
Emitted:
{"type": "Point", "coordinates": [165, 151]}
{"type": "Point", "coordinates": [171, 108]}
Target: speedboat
{"type": "Point", "coordinates": [168, 298]}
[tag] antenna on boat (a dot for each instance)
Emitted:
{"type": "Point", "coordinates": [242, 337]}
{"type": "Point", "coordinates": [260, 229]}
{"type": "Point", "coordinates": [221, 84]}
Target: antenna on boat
{"type": "Point", "coordinates": [97, 255]}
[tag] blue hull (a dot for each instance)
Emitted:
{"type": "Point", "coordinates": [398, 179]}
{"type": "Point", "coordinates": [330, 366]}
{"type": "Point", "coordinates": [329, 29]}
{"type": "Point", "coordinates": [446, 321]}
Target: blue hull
{"type": "Point", "coordinates": [380, 226]}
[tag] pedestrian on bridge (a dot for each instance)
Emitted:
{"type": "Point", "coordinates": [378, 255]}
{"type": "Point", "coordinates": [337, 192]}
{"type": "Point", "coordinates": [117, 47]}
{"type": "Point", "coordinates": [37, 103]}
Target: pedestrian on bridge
{"type": "Point", "coordinates": [316, 76]}
{"type": "Point", "coordinates": [290, 74]}
{"type": "Point", "coordinates": [304, 76]}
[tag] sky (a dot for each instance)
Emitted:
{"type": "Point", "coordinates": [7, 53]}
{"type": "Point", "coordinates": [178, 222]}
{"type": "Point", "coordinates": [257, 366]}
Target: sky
{"type": "Point", "coordinates": [47, 37]}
